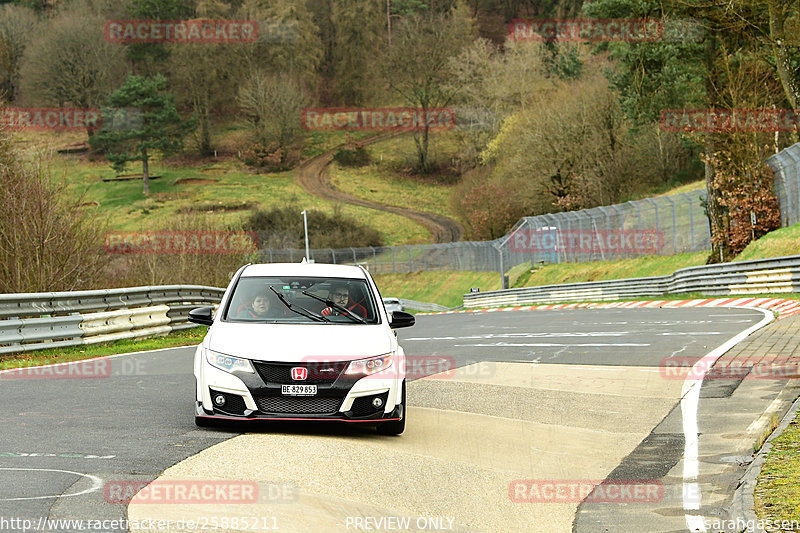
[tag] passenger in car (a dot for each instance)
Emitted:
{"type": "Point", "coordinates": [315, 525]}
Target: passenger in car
{"type": "Point", "coordinates": [262, 306]}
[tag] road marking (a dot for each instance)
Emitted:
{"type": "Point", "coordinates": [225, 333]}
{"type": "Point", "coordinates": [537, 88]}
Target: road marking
{"type": "Point", "coordinates": [545, 344]}
{"type": "Point", "coordinates": [547, 335]}
{"type": "Point", "coordinates": [690, 400]}
{"type": "Point", "coordinates": [97, 484]}
{"type": "Point", "coordinates": [63, 455]}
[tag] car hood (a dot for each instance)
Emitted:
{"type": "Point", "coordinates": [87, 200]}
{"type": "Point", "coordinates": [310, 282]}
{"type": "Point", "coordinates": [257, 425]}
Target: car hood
{"type": "Point", "coordinates": [298, 342]}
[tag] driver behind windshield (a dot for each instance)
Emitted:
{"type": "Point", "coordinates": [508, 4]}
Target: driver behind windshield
{"type": "Point", "coordinates": [341, 295]}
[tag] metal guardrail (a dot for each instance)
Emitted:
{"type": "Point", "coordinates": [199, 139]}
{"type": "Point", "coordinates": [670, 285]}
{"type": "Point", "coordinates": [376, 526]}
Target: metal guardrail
{"type": "Point", "coordinates": [424, 306]}
{"type": "Point", "coordinates": [35, 321]}
{"type": "Point", "coordinates": [760, 276]}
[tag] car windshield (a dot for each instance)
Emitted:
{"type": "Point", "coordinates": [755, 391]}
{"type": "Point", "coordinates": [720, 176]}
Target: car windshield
{"type": "Point", "coordinates": [291, 299]}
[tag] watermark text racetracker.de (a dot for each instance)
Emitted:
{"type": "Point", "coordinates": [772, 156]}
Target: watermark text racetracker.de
{"type": "Point", "coordinates": [687, 368]}
{"type": "Point", "coordinates": [586, 30]}
{"type": "Point", "coordinates": [90, 369]}
{"type": "Point", "coordinates": [139, 31]}
{"type": "Point", "coordinates": [191, 492]}
{"type": "Point", "coordinates": [729, 120]}
{"type": "Point", "coordinates": [586, 241]}
{"type": "Point", "coordinates": [181, 242]}
{"type": "Point", "coordinates": [440, 367]}
{"type": "Point", "coordinates": [377, 118]}
{"type": "Point", "coordinates": [200, 523]}
{"type": "Point", "coordinates": [70, 118]}
{"type": "Point", "coordinates": [578, 490]}
{"type": "Point", "coordinates": [50, 118]}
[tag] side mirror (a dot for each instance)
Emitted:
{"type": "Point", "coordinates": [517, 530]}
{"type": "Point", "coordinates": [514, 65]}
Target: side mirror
{"type": "Point", "coordinates": [401, 319]}
{"type": "Point", "coordinates": [202, 316]}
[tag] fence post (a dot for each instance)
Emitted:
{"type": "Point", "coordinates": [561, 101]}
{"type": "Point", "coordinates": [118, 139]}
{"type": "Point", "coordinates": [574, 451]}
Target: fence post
{"type": "Point", "coordinates": [291, 256]}
{"type": "Point", "coordinates": [691, 215]}
{"type": "Point", "coordinates": [374, 259]}
{"type": "Point", "coordinates": [392, 259]}
{"type": "Point", "coordinates": [333, 256]}
{"type": "Point", "coordinates": [502, 269]}
{"type": "Point", "coordinates": [655, 206]}
{"type": "Point", "coordinates": [355, 261]}
{"type": "Point", "coordinates": [674, 230]}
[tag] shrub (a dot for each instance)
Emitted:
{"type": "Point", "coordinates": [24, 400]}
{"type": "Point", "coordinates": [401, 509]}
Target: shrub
{"type": "Point", "coordinates": [270, 158]}
{"type": "Point", "coordinates": [355, 157]}
{"type": "Point", "coordinates": [282, 227]}
{"type": "Point", "coordinates": [47, 242]}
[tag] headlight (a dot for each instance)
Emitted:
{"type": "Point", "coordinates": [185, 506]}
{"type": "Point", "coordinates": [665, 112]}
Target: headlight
{"type": "Point", "coordinates": [228, 363]}
{"type": "Point", "coordinates": [369, 366]}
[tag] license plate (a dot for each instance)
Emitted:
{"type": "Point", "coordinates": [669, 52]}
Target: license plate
{"type": "Point", "coordinates": [299, 390]}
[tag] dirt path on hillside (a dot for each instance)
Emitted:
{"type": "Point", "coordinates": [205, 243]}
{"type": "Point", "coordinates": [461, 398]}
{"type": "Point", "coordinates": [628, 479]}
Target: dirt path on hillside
{"type": "Point", "coordinates": [313, 177]}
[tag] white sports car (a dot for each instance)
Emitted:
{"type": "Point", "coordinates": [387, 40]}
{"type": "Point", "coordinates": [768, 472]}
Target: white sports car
{"type": "Point", "coordinates": [301, 342]}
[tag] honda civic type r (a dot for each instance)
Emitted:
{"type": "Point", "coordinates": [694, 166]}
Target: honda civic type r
{"type": "Point", "coordinates": [301, 342]}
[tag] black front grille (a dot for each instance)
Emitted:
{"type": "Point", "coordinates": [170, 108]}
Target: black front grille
{"type": "Point", "coordinates": [234, 404]}
{"type": "Point", "coordinates": [363, 406]}
{"type": "Point", "coordinates": [300, 405]}
{"type": "Point", "coordinates": [319, 373]}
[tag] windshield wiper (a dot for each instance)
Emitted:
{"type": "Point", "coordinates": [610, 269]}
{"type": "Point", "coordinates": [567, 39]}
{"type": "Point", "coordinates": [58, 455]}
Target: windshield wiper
{"type": "Point", "coordinates": [299, 309]}
{"type": "Point", "coordinates": [329, 303]}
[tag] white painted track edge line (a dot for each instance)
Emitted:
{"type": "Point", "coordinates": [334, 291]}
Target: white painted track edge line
{"type": "Point", "coordinates": [690, 400]}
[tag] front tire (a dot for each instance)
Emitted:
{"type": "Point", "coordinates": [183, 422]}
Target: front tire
{"type": "Point", "coordinates": [395, 427]}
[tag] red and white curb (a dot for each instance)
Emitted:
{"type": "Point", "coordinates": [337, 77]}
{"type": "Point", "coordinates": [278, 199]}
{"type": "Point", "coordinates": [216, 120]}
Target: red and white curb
{"type": "Point", "coordinates": [784, 308]}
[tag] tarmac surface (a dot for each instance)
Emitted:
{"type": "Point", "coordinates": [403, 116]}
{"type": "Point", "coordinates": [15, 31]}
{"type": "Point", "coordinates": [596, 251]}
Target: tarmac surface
{"type": "Point", "coordinates": [543, 405]}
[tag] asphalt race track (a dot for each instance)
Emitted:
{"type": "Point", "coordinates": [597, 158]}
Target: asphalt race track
{"type": "Point", "coordinates": [571, 395]}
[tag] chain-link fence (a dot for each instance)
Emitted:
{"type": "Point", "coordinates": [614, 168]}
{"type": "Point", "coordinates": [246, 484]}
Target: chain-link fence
{"type": "Point", "coordinates": [663, 225]}
{"type": "Point", "coordinates": [787, 183]}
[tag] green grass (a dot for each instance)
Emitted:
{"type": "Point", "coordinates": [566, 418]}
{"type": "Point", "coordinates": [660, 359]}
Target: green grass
{"type": "Point", "coordinates": [186, 337]}
{"type": "Point", "coordinates": [401, 151]}
{"type": "Point", "coordinates": [225, 184]}
{"type": "Point", "coordinates": [784, 241]}
{"type": "Point", "coordinates": [443, 287]}
{"type": "Point", "coordinates": [686, 187]}
{"type": "Point", "coordinates": [378, 184]}
{"type": "Point", "coordinates": [318, 142]}
{"type": "Point", "coordinates": [655, 265]}
{"type": "Point", "coordinates": [778, 488]}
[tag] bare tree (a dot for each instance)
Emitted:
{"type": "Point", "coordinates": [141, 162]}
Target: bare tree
{"type": "Point", "coordinates": [16, 28]}
{"type": "Point", "coordinates": [273, 104]}
{"type": "Point", "coordinates": [74, 65]}
{"type": "Point", "coordinates": [416, 65]}
{"type": "Point", "coordinates": [48, 242]}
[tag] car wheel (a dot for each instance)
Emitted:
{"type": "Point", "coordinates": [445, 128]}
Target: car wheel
{"type": "Point", "coordinates": [395, 427]}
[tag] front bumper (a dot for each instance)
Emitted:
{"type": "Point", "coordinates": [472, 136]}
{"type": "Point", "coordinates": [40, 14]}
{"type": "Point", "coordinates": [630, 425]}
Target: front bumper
{"type": "Point", "coordinates": [200, 411]}
{"type": "Point", "coordinates": [257, 396]}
